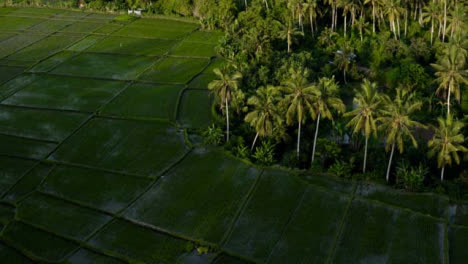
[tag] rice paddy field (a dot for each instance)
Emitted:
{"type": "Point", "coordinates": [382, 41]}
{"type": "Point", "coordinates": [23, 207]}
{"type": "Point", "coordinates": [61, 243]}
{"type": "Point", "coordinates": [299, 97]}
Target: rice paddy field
{"type": "Point", "coordinates": [97, 163]}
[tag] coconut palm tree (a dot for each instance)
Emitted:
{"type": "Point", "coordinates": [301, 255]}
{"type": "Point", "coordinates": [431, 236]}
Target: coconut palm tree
{"type": "Point", "coordinates": [367, 101]}
{"type": "Point", "coordinates": [297, 101]}
{"type": "Point", "coordinates": [396, 123]}
{"type": "Point", "coordinates": [265, 116]}
{"type": "Point", "coordinates": [362, 25]}
{"type": "Point", "coordinates": [311, 7]}
{"type": "Point", "coordinates": [457, 20]}
{"type": "Point", "coordinates": [450, 73]}
{"type": "Point", "coordinates": [447, 141]}
{"type": "Point", "coordinates": [431, 13]}
{"type": "Point", "coordinates": [289, 33]}
{"type": "Point", "coordinates": [225, 88]}
{"type": "Point", "coordinates": [393, 11]}
{"type": "Point", "coordinates": [343, 59]}
{"type": "Point", "coordinates": [325, 100]}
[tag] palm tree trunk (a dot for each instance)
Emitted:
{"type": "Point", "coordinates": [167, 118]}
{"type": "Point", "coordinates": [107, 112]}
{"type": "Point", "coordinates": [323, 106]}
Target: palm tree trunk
{"type": "Point", "coordinates": [390, 162]}
{"type": "Point", "coordinates": [448, 99]}
{"type": "Point", "coordinates": [432, 30]}
{"type": "Point", "coordinates": [311, 24]}
{"type": "Point", "coordinates": [227, 121]}
{"type": "Point", "coordinates": [333, 18]}
{"type": "Point", "coordinates": [344, 34]}
{"type": "Point", "coordinates": [365, 155]}
{"type": "Point", "coordinates": [373, 17]}
{"type": "Point", "coordinates": [255, 140]}
{"type": "Point", "coordinates": [289, 42]}
{"type": "Point", "coordinates": [266, 4]}
{"type": "Point", "coordinates": [245, 2]}
{"type": "Point", "coordinates": [344, 75]}
{"type": "Point", "coordinates": [315, 138]}
{"type": "Point", "coordinates": [442, 174]}
{"type": "Point", "coordinates": [445, 20]}
{"type": "Point", "coordinates": [406, 21]}
{"type": "Point", "coordinates": [298, 138]}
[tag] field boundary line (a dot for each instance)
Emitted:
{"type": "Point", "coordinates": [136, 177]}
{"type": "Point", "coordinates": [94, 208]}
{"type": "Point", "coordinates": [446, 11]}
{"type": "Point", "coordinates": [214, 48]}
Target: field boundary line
{"type": "Point", "coordinates": [3, 242]}
{"type": "Point", "coordinates": [4, 193]}
{"type": "Point", "coordinates": [339, 232]}
{"type": "Point", "coordinates": [43, 108]}
{"type": "Point", "coordinates": [30, 138]}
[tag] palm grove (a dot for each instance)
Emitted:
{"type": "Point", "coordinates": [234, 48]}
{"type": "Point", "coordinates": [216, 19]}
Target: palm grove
{"type": "Point", "coordinates": [384, 77]}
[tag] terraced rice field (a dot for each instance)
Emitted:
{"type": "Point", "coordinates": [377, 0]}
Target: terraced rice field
{"type": "Point", "coordinates": [97, 163]}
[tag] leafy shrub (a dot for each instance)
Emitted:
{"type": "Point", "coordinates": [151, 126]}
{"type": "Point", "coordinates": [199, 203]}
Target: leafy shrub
{"type": "Point", "coordinates": [412, 177]}
{"type": "Point", "coordinates": [341, 169]}
{"type": "Point", "coordinates": [213, 135]}
{"type": "Point", "coordinates": [265, 153]}
{"type": "Point", "coordinates": [327, 150]}
{"type": "Point", "coordinates": [241, 151]}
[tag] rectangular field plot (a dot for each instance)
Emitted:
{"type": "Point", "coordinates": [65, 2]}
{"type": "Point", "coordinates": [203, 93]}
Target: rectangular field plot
{"type": "Point", "coordinates": [82, 27]}
{"type": "Point", "coordinates": [195, 109]}
{"type": "Point", "coordinates": [50, 26]}
{"type": "Point", "coordinates": [11, 170]}
{"type": "Point", "coordinates": [133, 46]}
{"type": "Point", "coordinates": [175, 70]}
{"type": "Point", "coordinates": [13, 44]}
{"type": "Point", "coordinates": [194, 49]}
{"type": "Point", "coordinates": [458, 239]}
{"type": "Point", "coordinates": [38, 243]}
{"type": "Point", "coordinates": [6, 73]}
{"type": "Point", "coordinates": [23, 147]}
{"type": "Point", "coordinates": [377, 234]}
{"type": "Point", "coordinates": [140, 244]}
{"type": "Point", "coordinates": [209, 37]}
{"type": "Point", "coordinates": [28, 183]}
{"type": "Point", "coordinates": [261, 224]}
{"type": "Point", "coordinates": [310, 234]}
{"type": "Point", "coordinates": [12, 255]}
{"type": "Point", "coordinates": [51, 62]}
{"type": "Point", "coordinates": [157, 28]}
{"type": "Point", "coordinates": [44, 48]}
{"type": "Point", "coordinates": [144, 148]}
{"type": "Point", "coordinates": [102, 190]}
{"type": "Point", "coordinates": [202, 81]}
{"type": "Point", "coordinates": [39, 124]}
{"type": "Point", "coordinates": [425, 203]}
{"type": "Point", "coordinates": [108, 29]}
{"type": "Point", "coordinates": [330, 182]}
{"type": "Point", "coordinates": [84, 256]}
{"type": "Point", "coordinates": [226, 259]}
{"type": "Point", "coordinates": [15, 84]}
{"type": "Point", "coordinates": [4, 36]}
{"type": "Point", "coordinates": [67, 93]}
{"type": "Point", "coordinates": [459, 214]}
{"type": "Point", "coordinates": [105, 66]}
{"type": "Point", "coordinates": [61, 217]}
{"type": "Point", "coordinates": [86, 43]}
{"type": "Point", "coordinates": [145, 101]}
{"type": "Point", "coordinates": [183, 201]}
{"type": "Point", "coordinates": [18, 23]}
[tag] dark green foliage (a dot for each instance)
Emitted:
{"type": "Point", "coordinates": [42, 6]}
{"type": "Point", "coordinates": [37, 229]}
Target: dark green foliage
{"type": "Point", "coordinates": [341, 169]}
{"type": "Point", "coordinates": [264, 154]}
{"type": "Point", "coordinates": [413, 177]}
{"type": "Point", "coordinates": [213, 135]}
{"type": "Point", "coordinates": [105, 191]}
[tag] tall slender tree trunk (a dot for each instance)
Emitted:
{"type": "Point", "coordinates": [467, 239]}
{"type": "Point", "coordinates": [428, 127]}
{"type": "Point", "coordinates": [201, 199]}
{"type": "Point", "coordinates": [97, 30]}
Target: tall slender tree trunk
{"type": "Point", "coordinates": [344, 34]}
{"type": "Point", "coordinates": [432, 30]}
{"type": "Point", "coordinates": [406, 21]}
{"type": "Point", "coordinates": [336, 15]}
{"type": "Point", "coordinates": [442, 174]}
{"type": "Point", "coordinates": [398, 26]}
{"type": "Point", "coordinates": [445, 20]}
{"type": "Point", "coordinates": [344, 75]}
{"type": "Point", "coordinates": [311, 24]}
{"type": "Point", "coordinates": [365, 155]}
{"type": "Point", "coordinates": [255, 140]}
{"type": "Point", "coordinates": [298, 137]}
{"type": "Point", "coordinates": [266, 4]}
{"type": "Point", "coordinates": [448, 99]}
{"type": "Point", "coordinates": [333, 18]}
{"type": "Point", "coordinates": [227, 121]}
{"type": "Point", "coordinates": [245, 2]}
{"type": "Point", "coordinates": [289, 41]}
{"type": "Point", "coordinates": [373, 17]}
{"type": "Point", "coordinates": [390, 162]}
{"type": "Point", "coordinates": [315, 138]}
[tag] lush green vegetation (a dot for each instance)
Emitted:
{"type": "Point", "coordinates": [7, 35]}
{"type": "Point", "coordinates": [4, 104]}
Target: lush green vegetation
{"type": "Point", "coordinates": [103, 130]}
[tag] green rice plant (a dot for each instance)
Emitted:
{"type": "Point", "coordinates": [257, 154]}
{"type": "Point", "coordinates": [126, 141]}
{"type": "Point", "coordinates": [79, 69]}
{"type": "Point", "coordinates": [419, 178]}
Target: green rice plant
{"type": "Point", "coordinates": [175, 70]}
{"type": "Point", "coordinates": [12, 170]}
{"type": "Point", "coordinates": [7, 213]}
{"type": "Point", "coordinates": [208, 37]}
{"type": "Point", "coordinates": [140, 147]}
{"type": "Point", "coordinates": [4, 36]}
{"type": "Point", "coordinates": [264, 154]}
{"type": "Point", "coordinates": [18, 23]}
{"type": "Point", "coordinates": [38, 243]}
{"type": "Point", "coordinates": [309, 235]}
{"type": "Point", "coordinates": [50, 26]}
{"type": "Point", "coordinates": [108, 29]}
{"type": "Point", "coordinates": [214, 63]}
{"type": "Point", "coordinates": [60, 217]}
{"type": "Point", "coordinates": [201, 81]}
{"type": "Point", "coordinates": [39, 124]}
{"type": "Point", "coordinates": [12, 255]}
{"type": "Point", "coordinates": [67, 93]}
{"type": "Point", "coordinates": [7, 73]}
{"type": "Point", "coordinates": [132, 46]}
{"type": "Point", "coordinates": [198, 198]}
{"type": "Point", "coordinates": [105, 66]}
{"type": "Point", "coordinates": [82, 27]}
{"type": "Point", "coordinates": [145, 101]}
{"type": "Point", "coordinates": [18, 42]}
{"type": "Point", "coordinates": [261, 223]}
{"type": "Point", "coordinates": [329, 182]}
{"type": "Point", "coordinates": [85, 256]}
{"type": "Point", "coordinates": [51, 62]}
{"type": "Point", "coordinates": [85, 43]}
{"type": "Point", "coordinates": [106, 191]}
{"type": "Point", "coordinates": [27, 148]}
{"type": "Point", "coordinates": [194, 49]}
{"type": "Point", "coordinates": [425, 203]}
{"type": "Point", "coordinates": [28, 183]}
{"type": "Point", "coordinates": [140, 244]}
{"type": "Point", "coordinates": [157, 28]}
{"type": "Point", "coordinates": [458, 239]}
{"type": "Point", "coordinates": [195, 109]}
{"type": "Point", "coordinates": [15, 84]}
{"type": "Point", "coordinates": [44, 48]}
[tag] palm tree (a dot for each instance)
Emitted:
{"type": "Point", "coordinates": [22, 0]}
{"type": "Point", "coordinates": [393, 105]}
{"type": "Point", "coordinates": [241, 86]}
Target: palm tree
{"type": "Point", "coordinates": [361, 24]}
{"type": "Point", "coordinates": [312, 9]}
{"type": "Point", "coordinates": [265, 116]}
{"type": "Point", "coordinates": [298, 99]}
{"type": "Point", "coordinates": [450, 73]}
{"type": "Point", "coordinates": [289, 33]}
{"type": "Point", "coordinates": [367, 101]}
{"type": "Point", "coordinates": [431, 12]}
{"type": "Point", "coordinates": [396, 123]}
{"type": "Point", "coordinates": [393, 10]}
{"type": "Point", "coordinates": [225, 88]}
{"type": "Point", "coordinates": [457, 20]}
{"type": "Point", "coordinates": [447, 141]}
{"type": "Point", "coordinates": [325, 99]}
{"type": "Point", "coordinates": [343, 59]}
